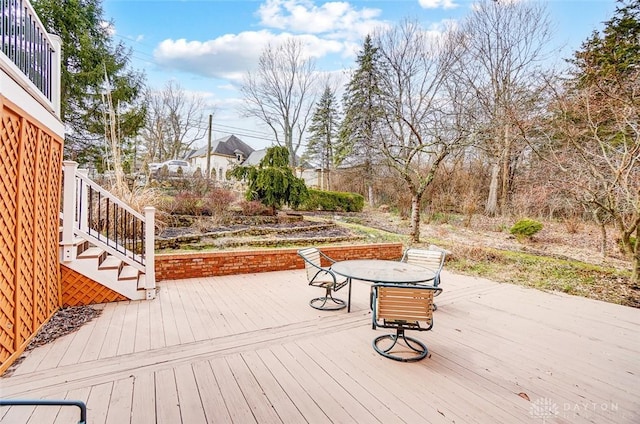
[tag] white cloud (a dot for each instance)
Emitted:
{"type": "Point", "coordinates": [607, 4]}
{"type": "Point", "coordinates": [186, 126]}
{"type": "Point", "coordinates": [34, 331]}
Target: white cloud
{"type": "Point", "coordinates": [335, 19]}
{"type": "Point", "coordinates": [231, 55]}
{"type": "Point", "coordinates": [437, 4]}
{"type": "Point", "coordinates": [108, 27]}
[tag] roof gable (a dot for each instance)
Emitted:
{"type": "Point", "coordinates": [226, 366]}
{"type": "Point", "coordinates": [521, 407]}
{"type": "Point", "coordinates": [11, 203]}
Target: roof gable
{"type": "Point", "coordinates": [225, 146]}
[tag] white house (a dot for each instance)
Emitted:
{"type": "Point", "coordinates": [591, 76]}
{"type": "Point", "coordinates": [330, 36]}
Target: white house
{"type": "Point", "coordinates": [226, 153]}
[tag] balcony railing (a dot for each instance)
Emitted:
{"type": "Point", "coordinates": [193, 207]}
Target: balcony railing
{"type": "Point", "coordinates": [26, 43]}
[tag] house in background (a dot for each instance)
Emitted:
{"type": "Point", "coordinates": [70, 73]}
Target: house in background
{"type": "Point", "coordinates": [313, 177]}
{"type": "Point", "coordinates": [226, 152]}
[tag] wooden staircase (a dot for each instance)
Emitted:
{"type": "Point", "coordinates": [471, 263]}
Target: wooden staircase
{"type": "Point", "coordinates": [107, 242]}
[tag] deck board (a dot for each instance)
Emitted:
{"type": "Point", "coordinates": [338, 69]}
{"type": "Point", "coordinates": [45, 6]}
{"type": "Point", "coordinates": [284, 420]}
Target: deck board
{"type": "Point", "coordinates": [143, 403]}
{"type": "Point", "coordinates": [213, 405]}
{"type": "Point", "coordinates": [120, 402]}
{"type": "Point", "coordinates": [109, 347]}
{"type": "Point", "coordinates": [238, 408]}
{"type": "Point", "coordinates": [248, 348]}
{"type": "Point", "coordinates": [93, 347]}
{"type": "Point", "coordinates": [188, 396]}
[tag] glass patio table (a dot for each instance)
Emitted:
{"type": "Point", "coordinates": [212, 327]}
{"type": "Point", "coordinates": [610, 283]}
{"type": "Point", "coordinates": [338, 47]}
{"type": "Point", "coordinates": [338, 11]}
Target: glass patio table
{"type": "Point", "coordinates": [381, 271]}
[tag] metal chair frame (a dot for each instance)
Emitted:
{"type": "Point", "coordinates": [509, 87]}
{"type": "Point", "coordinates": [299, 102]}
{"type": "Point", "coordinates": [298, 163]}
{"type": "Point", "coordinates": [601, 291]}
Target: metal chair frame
{"type": "Point", "coordinates": [402, 307]}
{"type": "Point", "coordinates": [322, 276]}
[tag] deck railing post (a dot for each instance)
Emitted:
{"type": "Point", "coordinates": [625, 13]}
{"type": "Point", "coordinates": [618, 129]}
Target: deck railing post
{"type": "Point", "coordinates": [56, 74]}
{"type": "Point", "coordinates": [68, 210]}
{"type": "Point", "coordinates": [149, 251]}
{"type": "Point", "coordinates": [83, 204]}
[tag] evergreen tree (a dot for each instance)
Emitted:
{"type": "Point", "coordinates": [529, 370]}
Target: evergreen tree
{"type": "Point", "coordinates": [323, 131]}
{"type": "Point", "coordinates": [362, 111]}
{"type": "Point", "coordinates": [272, 182]}
{"type": "Point", "coordinates": [88, 54]}
{"type": "Point", "coordinates": [611, 58]}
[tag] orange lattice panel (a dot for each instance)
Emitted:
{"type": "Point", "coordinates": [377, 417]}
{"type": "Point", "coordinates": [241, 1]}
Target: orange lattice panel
{"type": "Point", "coordinates": [55, 188]}
{"type": "Point", "coordinates": [26, 232]}
{"type": "Point", "coordinates": [10, 141]}
{"type": "Point", "coordinates": [30, 178]}
{"type": "Point", "coordinates": [42, 243]}
{"type": "Point", "coordinates": [80, 290]}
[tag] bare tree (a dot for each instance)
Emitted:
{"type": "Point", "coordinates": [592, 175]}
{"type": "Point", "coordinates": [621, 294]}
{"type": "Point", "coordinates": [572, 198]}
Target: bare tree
{"type": "Point", "coordinates": [597, 138]}
{"type": "Point", "coordinates": [280, 93]}
{"type": "Point", "coordinates": [175, 120]}
{"type": "Point", "coordinates": [500, 60]}
{"type": "Point", "coordinates": [599, 160]}
{"type": "Point", "coordinates": [417, 124]}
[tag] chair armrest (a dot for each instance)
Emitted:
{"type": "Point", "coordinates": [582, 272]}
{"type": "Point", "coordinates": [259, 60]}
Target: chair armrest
{"type": "Point", "coordinates": [330, 260]}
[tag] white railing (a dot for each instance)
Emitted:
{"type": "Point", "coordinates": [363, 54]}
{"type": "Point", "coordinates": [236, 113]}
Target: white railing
{"type": "Point", "coordinates": [94, 214]}
{"type": "Point", "coordinates": [31, 55]}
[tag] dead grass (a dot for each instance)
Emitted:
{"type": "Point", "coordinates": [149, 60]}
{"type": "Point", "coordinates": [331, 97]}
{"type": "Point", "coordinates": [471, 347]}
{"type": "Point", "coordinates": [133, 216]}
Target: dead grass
{"type": "Point", "coordinates": [562, 257]}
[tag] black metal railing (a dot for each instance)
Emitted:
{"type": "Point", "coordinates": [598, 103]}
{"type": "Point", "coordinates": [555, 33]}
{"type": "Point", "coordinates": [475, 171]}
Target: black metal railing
{"type": "Point", "coordinates": [24, 41]}
{"type": "Point", "coordinates": [47, 402]}
{"type": "Point", "coordinates": [110, 221]}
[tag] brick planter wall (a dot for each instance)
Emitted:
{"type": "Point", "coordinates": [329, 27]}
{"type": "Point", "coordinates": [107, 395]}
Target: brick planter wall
{"type": "Point", "coordinates": [205, 264]}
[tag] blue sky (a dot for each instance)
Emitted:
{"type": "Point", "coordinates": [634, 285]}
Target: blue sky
{"type": "Point", "coordinates": [208, 45]}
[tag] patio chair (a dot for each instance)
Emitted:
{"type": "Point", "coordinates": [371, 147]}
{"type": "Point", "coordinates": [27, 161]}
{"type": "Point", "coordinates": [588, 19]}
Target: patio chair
{"type": "Point", "coordinates": [402, 307]}
{"type": "Point", "coordinates": [432, 258]}
{"type": "Point", "coordinates": [322, 276]}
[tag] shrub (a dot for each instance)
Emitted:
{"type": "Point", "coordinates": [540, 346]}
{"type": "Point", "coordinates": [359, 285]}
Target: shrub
{"type": "Point", "coordinates": [525, 228]}
{"type": "Point", "coordinates": [187, 203]}
{"type": "Point", "coordinates": [217, 201]}
{"type": "Point", "coordinates": [254, 208]}
{"type": "Point", "coordinates": [333, 201]}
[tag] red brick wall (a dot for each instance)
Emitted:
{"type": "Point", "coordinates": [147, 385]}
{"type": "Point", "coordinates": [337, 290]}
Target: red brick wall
{"type": "Point", "coordinates": [203, 264]}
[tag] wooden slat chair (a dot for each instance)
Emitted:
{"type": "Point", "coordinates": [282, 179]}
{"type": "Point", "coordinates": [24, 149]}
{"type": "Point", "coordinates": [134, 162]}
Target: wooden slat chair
{"type": "Point", "coordinates": [322, 276]}
{"type": "Point", "coordinates": [429, 258]}
{"type": "Point", "coordinates": [402, 307]}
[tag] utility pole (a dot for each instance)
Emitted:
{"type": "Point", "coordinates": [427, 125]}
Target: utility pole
{"type": "Point", "coordinates": [209, 148]}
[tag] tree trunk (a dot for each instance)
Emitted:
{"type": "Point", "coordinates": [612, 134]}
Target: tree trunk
{"type": "Point", "coordinates": [506, 172]}
{"type": "Point", "coordinates": [491, 207]}
{"type": "Point", "coordinates": [415, 217]}
{"type": "Point", "coordinates": [635, 277]}
{"type": "Point", "coordinates": [370, 195]}
{"type": "Point", "coordinates": [603, 240]}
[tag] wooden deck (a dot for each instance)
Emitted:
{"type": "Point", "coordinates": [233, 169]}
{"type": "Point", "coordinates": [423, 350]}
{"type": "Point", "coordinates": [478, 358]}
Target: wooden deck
{"type": "Point", "coordinates": [249, 349]}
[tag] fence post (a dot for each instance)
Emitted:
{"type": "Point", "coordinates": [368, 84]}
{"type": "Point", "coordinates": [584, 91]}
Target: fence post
{"type": "Point", "coordinates": [149, 251]}
{"type": "Point", "coordinates": [68, 210]}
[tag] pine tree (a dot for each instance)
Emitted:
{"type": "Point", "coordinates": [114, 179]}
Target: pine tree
{"type": "Point", "coordinates": [323, 132]}
{"type": "Point", "coordinates": [611, 58]}
{"type": "Point", "coordinates": [88, 53]}
{"type": "Point", "coordinates": [362, 111]}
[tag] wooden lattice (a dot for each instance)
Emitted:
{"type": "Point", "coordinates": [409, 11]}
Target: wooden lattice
{"type": "Point", "coordinates": [55, 188]}
{"type": "Point", "coordinates": [10, 139]}
{"type": "Point", "coordinates": [26, 231]}
{"type": "Point", "coordinates": [78, 289]}
{"type": "Point", "coordinates": [30, 176]}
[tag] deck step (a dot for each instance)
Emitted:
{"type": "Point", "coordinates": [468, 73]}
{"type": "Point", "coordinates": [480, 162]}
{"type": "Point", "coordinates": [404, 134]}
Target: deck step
{"type": "Point", "coordinates": [111, 262]}
{"type": "Point", "coordinates": [91, 252]}
{"type": "Point", "coordinates": [128, 273]}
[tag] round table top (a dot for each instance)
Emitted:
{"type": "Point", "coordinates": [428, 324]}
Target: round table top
{"type": "Point", "coordinates": [383, 271]}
